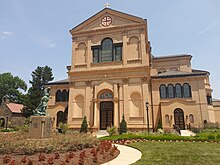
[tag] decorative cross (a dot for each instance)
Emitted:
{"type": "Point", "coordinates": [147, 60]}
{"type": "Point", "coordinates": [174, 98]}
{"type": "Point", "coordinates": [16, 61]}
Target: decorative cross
{"type": "Point", "coordinates": [107, 5]}
{"type": "Point", "coordinates": [106, 21]}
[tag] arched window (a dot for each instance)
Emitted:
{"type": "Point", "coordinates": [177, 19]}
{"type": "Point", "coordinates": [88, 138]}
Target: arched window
{"type": "Point", "coordinates": [107, 49]}
{"type": "Point", "coordinates": [58, 96]}
{"type": "Point", "coordinates": [106, 95]}
{"type": "Point", "coordinates": [64, 95]}
{"type": "Point", "coordinates": [163, 92]}
{"type": "Point", "coordinates": [166, 118]}
{"type": "Point", "coordinates": [186, 90]}
{"type": "Point", "coordinates": [170, 89]}
{"type": "Point", "coordinates": [191, 118]}
{"type": "Point", "coordinates": [178, 91]}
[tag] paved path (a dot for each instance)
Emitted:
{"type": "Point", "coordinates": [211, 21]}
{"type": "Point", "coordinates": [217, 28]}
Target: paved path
{"type": "Point", "coordinates": [128, 155]}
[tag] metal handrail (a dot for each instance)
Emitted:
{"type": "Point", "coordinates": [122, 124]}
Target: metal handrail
{"type": "Point", "coordinates": [176, 128]}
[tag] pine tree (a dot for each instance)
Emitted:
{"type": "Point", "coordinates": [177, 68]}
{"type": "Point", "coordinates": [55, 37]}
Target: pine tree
{"type": "Point", "coordinates": [40, 77]}
{"type": "Point", "coordinates": [123, 126]}
{"type": "Point", "coordinates": [84, 126]}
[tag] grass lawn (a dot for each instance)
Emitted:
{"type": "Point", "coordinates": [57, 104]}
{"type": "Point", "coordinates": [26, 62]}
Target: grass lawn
{"type": "Point", "coordinates": [178, 153]}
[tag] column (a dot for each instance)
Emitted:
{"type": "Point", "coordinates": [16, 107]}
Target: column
{"type": "Point", "coordinates": [143, 47]}
{"type": "Point", "coordinates": [73, 52]}
{"type": "Point", "coordinates": [95, 107]}
{"type": "Point", "coordinates": [124, 33]}
{"type": "Point", "coordinates": [120, 102]}
{"type": "Point", "coordinates": [89, 54]}
{"type": "Point", "coordinates": [116, 105]}
{"type": "Point", "coordinates": [145, 96]}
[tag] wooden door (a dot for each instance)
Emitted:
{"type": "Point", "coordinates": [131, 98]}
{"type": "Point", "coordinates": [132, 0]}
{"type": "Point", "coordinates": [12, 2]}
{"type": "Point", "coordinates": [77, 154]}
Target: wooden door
{"type": "Point", "coordinates": [106, 114]}
{"type": "Point", "coordinates": [179, 118]}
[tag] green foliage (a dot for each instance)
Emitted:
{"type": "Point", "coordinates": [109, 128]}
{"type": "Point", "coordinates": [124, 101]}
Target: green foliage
{"type": "Point", "coordinates": [12, 87]}
{"type": "Point", "coordinates": [159, 125]}
{"type": "Point", "coordinates": [63, 127]}
{"type": "Point", "coordinates": [112, 130]}
{"type": "Point", "coordinates": [84, 126]}
{"type": "Point", "coordinates": [40, 77]}
{"type": "Point", "coordinates": [123, 126]}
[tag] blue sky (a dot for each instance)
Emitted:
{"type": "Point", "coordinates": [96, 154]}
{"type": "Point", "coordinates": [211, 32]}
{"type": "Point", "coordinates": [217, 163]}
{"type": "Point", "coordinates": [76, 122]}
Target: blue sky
{"type": "Point", "coordinates": [36, 33]}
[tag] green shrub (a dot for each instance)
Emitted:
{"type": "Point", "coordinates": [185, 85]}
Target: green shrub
{"type": "Point", "coordinates": [84, 126]}
{"type": "Point", "coordinates": [123, 126]}
{"type": "Point", "coordinates": [112, 130]}
{"type": "Point", "coordinates": [63, 127]}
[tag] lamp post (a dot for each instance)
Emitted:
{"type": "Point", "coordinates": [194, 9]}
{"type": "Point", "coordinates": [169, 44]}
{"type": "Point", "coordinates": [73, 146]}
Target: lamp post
{"type": "Point", "coordinates": [148, 129]}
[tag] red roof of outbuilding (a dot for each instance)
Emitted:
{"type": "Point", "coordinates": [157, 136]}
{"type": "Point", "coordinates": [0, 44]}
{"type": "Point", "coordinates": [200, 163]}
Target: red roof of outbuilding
{"type": "Point", "coordinates": [15, 108]}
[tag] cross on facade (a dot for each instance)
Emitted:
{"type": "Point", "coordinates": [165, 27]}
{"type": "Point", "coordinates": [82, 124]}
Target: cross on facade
{"type": "Point", "coordinates": [106, 21]}
{"type": "Point", "coordinates": [107, 5]}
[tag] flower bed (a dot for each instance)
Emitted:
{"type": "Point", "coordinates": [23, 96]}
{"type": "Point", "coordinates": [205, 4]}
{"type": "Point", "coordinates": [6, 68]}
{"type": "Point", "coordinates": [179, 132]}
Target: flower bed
{"type": "Point", "coordinates": [16, 148]}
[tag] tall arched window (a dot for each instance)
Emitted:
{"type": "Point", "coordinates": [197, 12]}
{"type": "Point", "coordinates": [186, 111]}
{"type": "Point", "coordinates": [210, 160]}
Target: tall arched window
{"type": "Point", "coordinates": [163, 92]}
{"type": "Point", "coordinates": [64, 95]}
{"type": "Point", "coordinates": [107, 49]}
{"type": "Point", "coordinates": [191, 118]}
{"type": "Point", "coordinates": [170, 89]}
{"type": "Point", "coordinates": [178, 91]}
{"type": "Point", "coordinates": [58, 96]}
{"type": "Point", "coordinates": [186, 90]}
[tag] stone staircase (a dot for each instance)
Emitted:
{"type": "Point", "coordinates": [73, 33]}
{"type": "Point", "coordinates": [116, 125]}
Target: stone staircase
{"type": "Point", "coordinates": [187, 133]}
{"type": "Point", "coordinates": [102, 133]}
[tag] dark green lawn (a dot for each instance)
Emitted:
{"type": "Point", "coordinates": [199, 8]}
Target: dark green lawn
{"type": "Point", "coordinates": [178, 153]}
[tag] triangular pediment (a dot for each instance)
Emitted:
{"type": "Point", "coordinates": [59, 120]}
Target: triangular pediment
{"type": "Point", "coordinates": [112, 17]}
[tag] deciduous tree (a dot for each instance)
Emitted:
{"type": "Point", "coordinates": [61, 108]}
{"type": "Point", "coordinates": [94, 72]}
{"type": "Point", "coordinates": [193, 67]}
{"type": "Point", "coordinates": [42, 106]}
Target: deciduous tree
{"type": "Point", "coordinates": [12, 87]}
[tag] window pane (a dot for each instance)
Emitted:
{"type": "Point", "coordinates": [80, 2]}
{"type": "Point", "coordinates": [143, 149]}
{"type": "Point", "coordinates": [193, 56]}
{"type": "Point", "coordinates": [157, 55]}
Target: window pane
{"type": "Point", "coordinates": [170, 91]}
{"type": "Point", "coordinates": [95, 55]}
{"type": "Point", "coordinates": [186, 90]}
{"type": "Point", "coordinates": [163, 93]}
{"type": "Point", "coordinates": [178, 91]}
{"type": "Point", "coordinates": [107, 54]}
{"type": "Point", "coordinates": [118, 53]}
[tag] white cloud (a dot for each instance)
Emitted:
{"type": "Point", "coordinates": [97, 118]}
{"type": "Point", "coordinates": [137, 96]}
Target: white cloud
{"type": "Point", "coordinates": [5, 34]}
{"type": "Point", "coordinates": [208, 28]}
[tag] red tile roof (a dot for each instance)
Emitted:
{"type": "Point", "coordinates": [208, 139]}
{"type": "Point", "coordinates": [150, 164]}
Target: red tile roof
{"type": "Point", "coordinates": [15, 108]}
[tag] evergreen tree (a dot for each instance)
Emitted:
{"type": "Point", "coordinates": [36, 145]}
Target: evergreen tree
{"type": "Point", "coordinates": [40, 77]}
{"type": "Point", "coordinates": [84, 126]}
{"type": "Point", "coordinates": [123, 126]}
{"type": "Point", "coordinates": [12, 87]}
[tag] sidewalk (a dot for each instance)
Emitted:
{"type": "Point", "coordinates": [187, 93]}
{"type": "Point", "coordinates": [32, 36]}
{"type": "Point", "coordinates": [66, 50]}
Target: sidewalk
{"type": "Point", "coordinates": [128, 155]}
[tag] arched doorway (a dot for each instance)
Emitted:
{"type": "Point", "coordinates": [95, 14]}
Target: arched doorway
{"type": "Point", "coordinates": [2, 122]}
{"type": "Point", "coordinates": [106, 109]}
{"type": "Point", "coordinates": [106, 114]}
{"type": "Point", "coordinates": [179, 118]}
{"type": "Point", "coordinates": [62, 116]}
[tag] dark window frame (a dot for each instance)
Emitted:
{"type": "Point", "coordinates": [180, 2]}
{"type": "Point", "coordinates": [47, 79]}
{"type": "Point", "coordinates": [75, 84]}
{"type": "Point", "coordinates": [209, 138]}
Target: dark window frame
{"type": "Point", "coordinates": [187, 91]}
{"type": "Point", "coordinates": [170, 92]}
{"type": "Point", "coordinates": [162, 92]}
{"type": "Point", "coordinates": [99, 49]}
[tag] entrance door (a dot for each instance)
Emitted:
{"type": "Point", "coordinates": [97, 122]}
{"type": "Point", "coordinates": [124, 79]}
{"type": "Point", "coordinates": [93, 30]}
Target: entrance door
{"type": "Point", "coordinates": [106, 114]}
{"type": "Point", "coordinates": [179, 118]}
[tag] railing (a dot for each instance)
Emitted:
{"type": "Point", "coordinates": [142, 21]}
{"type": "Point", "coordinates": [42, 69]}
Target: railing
{"type": "Point", "coordinates": [176, 128]}
{"type": "Point", "coordinates": [191, 128]}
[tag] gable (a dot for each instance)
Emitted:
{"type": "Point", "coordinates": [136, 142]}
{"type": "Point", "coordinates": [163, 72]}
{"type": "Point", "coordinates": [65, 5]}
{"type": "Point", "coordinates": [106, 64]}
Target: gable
{"type": "Point", "coordinates": [117, 19]}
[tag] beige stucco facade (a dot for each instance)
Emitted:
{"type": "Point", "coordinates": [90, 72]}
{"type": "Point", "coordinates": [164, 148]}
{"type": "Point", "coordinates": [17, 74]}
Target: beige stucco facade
{"type": "Point", "coordinates": [113, 73]}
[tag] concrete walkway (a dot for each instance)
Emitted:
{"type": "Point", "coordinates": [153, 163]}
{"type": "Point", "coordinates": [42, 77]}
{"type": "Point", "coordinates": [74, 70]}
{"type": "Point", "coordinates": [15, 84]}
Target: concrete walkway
{"type": "Point", "coordinates": [128, 155]}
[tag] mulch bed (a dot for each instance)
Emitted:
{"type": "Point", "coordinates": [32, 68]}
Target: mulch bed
{"type": "Point", "coordinates": [89, 156]}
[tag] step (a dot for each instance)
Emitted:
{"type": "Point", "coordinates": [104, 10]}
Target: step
{"type": "Point", "coordinates": [187, 133]}
{"type": "Point", "coordinates": [102, 133]}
